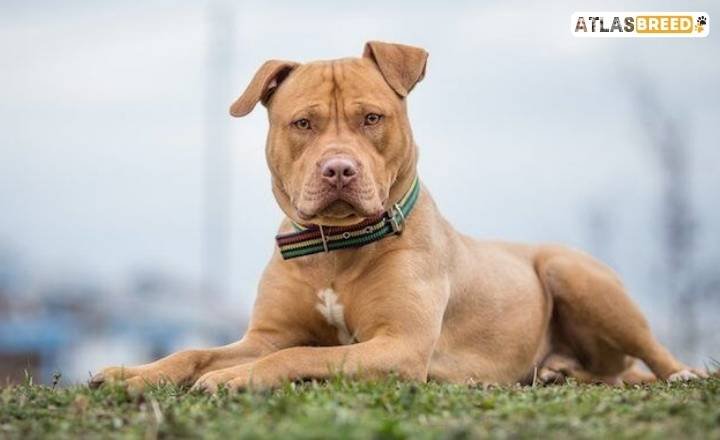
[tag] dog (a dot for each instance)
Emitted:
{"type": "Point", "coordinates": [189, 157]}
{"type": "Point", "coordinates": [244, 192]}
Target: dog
{"type": "Point", "coordinates": [368, 279]}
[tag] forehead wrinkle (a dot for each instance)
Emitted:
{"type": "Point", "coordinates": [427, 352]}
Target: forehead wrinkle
{"type": "Point", "coordinates": [338, 74]}
{"type": "Point", "coordinates": [310, 89]}
{"type": "Point", "coordinates": [307, 109]}
{"type": "Point", "coordinates": [369, 83]}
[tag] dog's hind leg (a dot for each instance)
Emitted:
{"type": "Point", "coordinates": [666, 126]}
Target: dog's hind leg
{"type": "Point", "coordinates": [597, 320]}
{"type": "Point", "coordinates": [636, 375]}
{"type": "Point", "coordinates": [558, 368]}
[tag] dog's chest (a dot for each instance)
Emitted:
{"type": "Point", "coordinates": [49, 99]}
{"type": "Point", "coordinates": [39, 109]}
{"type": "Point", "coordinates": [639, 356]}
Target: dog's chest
{"type": "Point", "coordinates": [333, 312]}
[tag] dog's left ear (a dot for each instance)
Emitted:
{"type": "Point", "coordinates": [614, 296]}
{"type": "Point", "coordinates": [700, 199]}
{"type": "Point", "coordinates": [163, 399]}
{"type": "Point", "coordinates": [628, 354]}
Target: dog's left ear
{"type": "Point", "coordinates": [402, 66]}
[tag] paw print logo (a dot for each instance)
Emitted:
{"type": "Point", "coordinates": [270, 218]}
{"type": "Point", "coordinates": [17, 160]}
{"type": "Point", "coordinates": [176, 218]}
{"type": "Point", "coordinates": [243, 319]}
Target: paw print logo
{"type": "Point", "coordinates": [700, 23]}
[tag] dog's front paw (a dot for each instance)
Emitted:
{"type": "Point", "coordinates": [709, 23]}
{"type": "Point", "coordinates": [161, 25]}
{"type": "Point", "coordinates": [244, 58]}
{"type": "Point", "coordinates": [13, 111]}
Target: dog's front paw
{"type": "Point", "coordinates": [110, 375]}
{"type": "Point", "coordinates": [134, 379]}
{"type": "Point", "coordinates": [233, 379]}
{"type": "Point", "coordinates": [548, 376]}
{"type": "Point", "coordinates": [687, 375]}
{"type": "Point", "coordinates": [211, 382]}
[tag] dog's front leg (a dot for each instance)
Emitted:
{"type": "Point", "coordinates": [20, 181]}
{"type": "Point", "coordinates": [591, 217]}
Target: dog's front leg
{"type": "Point", "coordinates": [186, 366]}
{"type": "Point", "coordinates": [407, 357]}
{"type": "Point", "coordinates": [400, 323]}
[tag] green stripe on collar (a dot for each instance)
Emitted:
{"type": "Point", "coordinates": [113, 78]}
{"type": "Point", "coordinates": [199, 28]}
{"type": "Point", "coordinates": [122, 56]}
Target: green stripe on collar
{"type": "Point", "coordinates": [313, 239]}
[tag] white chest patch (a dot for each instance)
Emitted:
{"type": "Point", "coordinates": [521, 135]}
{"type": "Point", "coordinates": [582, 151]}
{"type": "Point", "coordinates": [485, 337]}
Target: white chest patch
{"type": "Point", "coordinates": [332, 311]}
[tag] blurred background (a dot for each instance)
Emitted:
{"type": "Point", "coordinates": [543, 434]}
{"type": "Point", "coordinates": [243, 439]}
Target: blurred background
{"type": "Point", "coordinates": [136, 215]}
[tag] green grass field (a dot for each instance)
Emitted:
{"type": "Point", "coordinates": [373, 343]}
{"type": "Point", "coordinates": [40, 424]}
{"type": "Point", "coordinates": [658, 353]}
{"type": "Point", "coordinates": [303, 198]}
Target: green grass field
{"type": "Point", "coordinates": [346, 409]}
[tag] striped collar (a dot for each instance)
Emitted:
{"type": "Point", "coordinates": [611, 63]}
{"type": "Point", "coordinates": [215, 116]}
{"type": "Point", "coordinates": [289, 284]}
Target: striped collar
{"type": "Point", "coordinates": [314, 239]}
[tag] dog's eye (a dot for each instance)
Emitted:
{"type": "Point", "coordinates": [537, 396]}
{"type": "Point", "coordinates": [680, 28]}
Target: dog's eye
{"type": "Point", "coordinates": [372, 118]}
{"type": "Point", "coordinates": [302, 124]}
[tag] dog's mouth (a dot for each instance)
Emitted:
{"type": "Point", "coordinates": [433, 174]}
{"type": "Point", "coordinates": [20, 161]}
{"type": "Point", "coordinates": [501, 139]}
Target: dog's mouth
{"type": "Point", "coordinates": [337, 211]}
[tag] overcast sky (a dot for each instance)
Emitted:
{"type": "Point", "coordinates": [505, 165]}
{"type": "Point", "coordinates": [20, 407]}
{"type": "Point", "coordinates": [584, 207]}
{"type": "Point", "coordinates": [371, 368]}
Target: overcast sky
{"type": "Point", "coordinates": [524, 131]}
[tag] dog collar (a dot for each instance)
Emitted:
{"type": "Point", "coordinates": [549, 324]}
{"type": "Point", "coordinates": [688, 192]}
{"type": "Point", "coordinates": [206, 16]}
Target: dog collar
{"type": "Point", "coordinates": [313, 239]}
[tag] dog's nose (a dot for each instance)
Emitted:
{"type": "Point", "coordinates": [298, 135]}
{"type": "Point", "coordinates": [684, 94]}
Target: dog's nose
{"type": "Point", "coordinates": [338, 171]}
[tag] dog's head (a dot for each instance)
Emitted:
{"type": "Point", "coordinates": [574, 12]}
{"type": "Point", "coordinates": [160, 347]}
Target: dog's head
{"type": "Point", "coordinates": [340, 146]}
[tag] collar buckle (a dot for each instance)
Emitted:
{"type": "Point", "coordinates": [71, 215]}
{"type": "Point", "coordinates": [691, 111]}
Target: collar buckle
{"type": "Point", "coordinates": [397, 226]}
{"type": "Point", "coordinates": [324, 239]}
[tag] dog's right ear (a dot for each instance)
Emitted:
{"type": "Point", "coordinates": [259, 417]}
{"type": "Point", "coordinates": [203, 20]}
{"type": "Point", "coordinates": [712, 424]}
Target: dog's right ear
{"type": "Point", "coordinates": [263, 85]}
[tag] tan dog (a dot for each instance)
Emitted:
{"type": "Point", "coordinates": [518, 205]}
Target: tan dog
{"type": "Point", "coordinates": [428, 303]}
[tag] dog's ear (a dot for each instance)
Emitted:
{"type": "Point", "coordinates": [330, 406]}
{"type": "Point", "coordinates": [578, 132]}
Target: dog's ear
{"type": "Point", "coordinates": [402, 66]}
{"type": "Point", "coordinates": [263, 85]}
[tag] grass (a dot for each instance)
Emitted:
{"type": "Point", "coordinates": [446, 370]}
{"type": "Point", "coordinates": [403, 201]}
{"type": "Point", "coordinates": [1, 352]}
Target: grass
{"type": "Point", "coordinates": [346, 409]}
